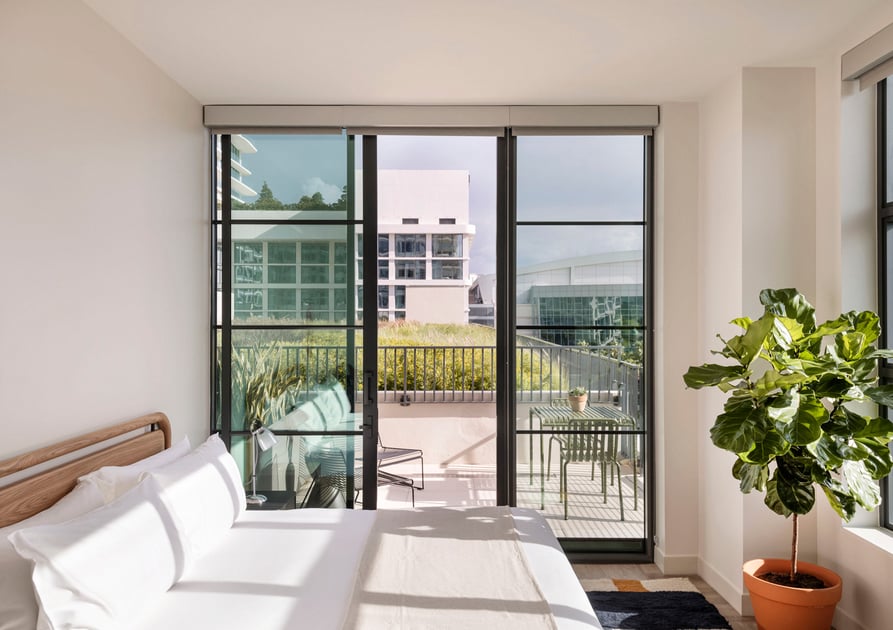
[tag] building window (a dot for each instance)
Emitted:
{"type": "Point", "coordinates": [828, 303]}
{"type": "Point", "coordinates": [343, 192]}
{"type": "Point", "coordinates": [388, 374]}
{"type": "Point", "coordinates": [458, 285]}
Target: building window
{"type": "Point", "coordinates": [446, 245]}
{"type": "Point", "coordinates": [399, 296]}
{"type": "Point", "coordinates": [410, 221]}
{"type": "Point", "coordinates": [448, 221]}
{"type": "Point", "coordinates": [446, 270]}
{"type": "Point", "coordinates": [410, 269]}
{"type": "Point", "coordinates": [383, 245]}
{"type": "Point", "coordinates": [382, 269]}
{"type": "Point", "coordinates": [409, 245]}
{"type": "Point", "coordinates": [383, 298]}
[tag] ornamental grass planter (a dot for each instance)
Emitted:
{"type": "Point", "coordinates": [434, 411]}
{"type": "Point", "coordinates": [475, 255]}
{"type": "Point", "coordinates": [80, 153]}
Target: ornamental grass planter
{"type": "Point", "coordinates": [778, 607]}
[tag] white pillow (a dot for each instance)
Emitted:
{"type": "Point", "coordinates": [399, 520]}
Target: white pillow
{"type": "Point", "coordinates": [18, 608]}
{"type": "Point", "coordinates": [114, 481]}
{"type": "Point", "coordinates": [105, 567]}
{"type": "Point", "coordinates": [204, 491]}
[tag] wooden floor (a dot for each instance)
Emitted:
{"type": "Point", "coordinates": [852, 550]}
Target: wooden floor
{"type": "Point", "coordinates": [650, 572]}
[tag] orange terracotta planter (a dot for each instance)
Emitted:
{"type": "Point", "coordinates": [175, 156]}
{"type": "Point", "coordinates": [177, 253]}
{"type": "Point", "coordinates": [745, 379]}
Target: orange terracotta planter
{"type": "Point", "coordinates": [779, 607]}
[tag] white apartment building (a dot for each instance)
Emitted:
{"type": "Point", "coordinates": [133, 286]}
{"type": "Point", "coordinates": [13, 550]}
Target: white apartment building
{"type": "Point", "coordinates": [298, 272]}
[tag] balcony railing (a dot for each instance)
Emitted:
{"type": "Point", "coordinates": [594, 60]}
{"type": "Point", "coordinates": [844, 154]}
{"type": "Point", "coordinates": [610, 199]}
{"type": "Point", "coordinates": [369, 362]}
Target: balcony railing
{"type": "Point", "coordinates": [464, 374]}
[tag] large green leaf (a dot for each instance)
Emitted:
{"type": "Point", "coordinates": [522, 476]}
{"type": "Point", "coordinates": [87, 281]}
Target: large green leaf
{"type": "Point", "coordinates": [850, 346]}
{"type": "Point", "coordinates": [879, 464]}
{"type": "Point", "coordinates": [772, 380]}
{"type": "Point", "coordinates": [789, 303]}
{"type": "Point", "coordinates": [747, 347]}
{"type": "Point", "coordinates": [840, 500]}
{"type": "Point", "coordinates": [750, 476]}
{"type": "Point", "coordinates": [735, 430]}
{"type": "Point", "coordinates": [794, 484]}
{"type": "Point", "coordinates": [882, 394]}
{"type": "Point", "coordinates": [766, 448]}
{"type": "Point", "coordinates": [773, 501]}
{"type": "Point", "coordinates": [867, 323]}
{"type": "Point", "coordinates": [860, 485]}
{"type": "Point", "coordinates": [805, 426]}
{"type": "Point", "coordinates": [873, 427]}
{"type": "Point", "coordinates": [712, 374]}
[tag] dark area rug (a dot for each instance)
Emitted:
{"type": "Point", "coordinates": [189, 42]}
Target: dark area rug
{"type": "Point", "coordinates": [660, 610]}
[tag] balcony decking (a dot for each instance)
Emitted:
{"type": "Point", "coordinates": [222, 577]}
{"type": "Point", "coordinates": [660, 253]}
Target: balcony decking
{"type": "Point", "coordinates": [589, 515]}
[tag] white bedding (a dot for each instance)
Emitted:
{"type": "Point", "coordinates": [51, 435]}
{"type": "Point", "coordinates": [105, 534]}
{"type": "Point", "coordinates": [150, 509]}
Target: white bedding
{"type": "Point", "coordinates": [296, 569]}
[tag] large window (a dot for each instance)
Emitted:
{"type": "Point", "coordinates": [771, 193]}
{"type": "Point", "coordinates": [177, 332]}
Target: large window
{"type": "Point", "coordinates": [287, 312]}
{"type": "Point", "coordinates": [885, 251]}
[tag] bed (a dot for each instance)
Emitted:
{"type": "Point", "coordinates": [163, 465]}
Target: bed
{"type": "Point", "coordinates": [145, 534]}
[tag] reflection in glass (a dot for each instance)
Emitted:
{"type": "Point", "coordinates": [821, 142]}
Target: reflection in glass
{"type": "Point", "coordinates": [291, 273]}
{"type": "Point", "coordinates": [291, 176]}
{"type": "Point", "coordinates": [581, 178]}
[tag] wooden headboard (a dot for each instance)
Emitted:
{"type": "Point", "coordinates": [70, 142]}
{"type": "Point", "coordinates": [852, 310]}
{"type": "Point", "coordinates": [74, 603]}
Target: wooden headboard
{"type": "Point", "coordinates": [31, 495]}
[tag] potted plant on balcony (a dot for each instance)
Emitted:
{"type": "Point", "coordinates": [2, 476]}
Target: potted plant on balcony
{"type": "Point", "coordinates": [787, 421]}
{"type": "Point", "coordinates": [577, 397]}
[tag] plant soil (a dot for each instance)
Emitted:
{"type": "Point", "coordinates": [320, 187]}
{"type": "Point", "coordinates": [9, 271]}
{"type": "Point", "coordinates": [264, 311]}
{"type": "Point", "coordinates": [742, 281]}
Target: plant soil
{"type": "Point", "coordinates": [801, 580]}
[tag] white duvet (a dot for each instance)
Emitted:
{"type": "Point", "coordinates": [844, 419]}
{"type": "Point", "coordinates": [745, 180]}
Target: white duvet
{"type": "Point", "coordinates": [297, 569]}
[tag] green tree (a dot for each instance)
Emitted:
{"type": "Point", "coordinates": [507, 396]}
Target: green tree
{"type": "Point", "coordinates": [266, 201]}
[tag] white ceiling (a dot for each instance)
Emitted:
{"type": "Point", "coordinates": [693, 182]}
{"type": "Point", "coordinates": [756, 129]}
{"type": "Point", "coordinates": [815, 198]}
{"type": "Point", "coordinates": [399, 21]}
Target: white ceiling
{"type": "Point", "coordinates": [471, 51]}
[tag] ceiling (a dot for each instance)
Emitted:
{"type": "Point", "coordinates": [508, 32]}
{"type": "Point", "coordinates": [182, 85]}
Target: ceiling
{"type": "Point", "coordinates": [472, 51]}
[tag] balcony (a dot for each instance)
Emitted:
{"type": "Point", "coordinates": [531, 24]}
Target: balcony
{"type": "Point", "coordinates": [441, 399]}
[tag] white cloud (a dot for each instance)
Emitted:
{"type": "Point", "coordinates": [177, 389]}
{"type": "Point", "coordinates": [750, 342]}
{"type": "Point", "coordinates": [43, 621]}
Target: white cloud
{"type": "Point", "coordinates": [329, 192]}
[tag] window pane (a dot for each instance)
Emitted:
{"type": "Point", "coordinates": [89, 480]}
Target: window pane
{"type": "Point", "coordinates": [409, 245]}
{"type": "Point", "coordinates": [281, 252]}
{"type": "Point", "coordinates": [247, 252]}
{"type": "Point", "coordinates": [281, 303]}
{"type": "Point", "coordinates": [282, 274]}
{"type": "Point", "coordinates": [383, 269]}
{"type": "Point", "coordinates": [248, 274]}
{"type": "Point", "coordinates": [399, 297]}
{"type": "Point", "coordinates": [581, 178]}
{"type": "Point", "coordinates": [290, 177]}
{"type": "Point", "coordinates": [446, 245]}
{"type": "Point", "coordinates": [315, 253]}
{"type": "Point", "coordinates": [382, 297]}
{"type": "Point", "coordinates": [314, 274]}
{"type": "Point", "coordinates": [410, 269]}
{"type": "Point", "coordinates": [383, 245]}
{"type": "Point", "coordinates": [446, 270]}
{"type": "Point", "coordinates": [279, 289]}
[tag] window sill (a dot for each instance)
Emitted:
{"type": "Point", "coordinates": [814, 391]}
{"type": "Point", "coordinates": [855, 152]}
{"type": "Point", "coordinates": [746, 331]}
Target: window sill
{"type": "Point", "coordinates": [877, 536]}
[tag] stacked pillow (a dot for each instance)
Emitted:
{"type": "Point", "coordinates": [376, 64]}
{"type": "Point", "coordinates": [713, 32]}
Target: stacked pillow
{"type": "Point", "coordinates": [106, 566]}
{"type": "Point", "coordinates": [18, 608]}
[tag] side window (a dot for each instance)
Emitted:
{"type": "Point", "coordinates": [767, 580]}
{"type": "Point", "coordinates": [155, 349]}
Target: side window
{"type": "Point", "coordinates": [884, 248]}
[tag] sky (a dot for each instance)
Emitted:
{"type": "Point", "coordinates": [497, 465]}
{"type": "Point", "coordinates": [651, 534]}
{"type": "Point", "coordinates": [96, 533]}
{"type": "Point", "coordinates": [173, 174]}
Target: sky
{"type": "Point", "coordinates": [594, 178]}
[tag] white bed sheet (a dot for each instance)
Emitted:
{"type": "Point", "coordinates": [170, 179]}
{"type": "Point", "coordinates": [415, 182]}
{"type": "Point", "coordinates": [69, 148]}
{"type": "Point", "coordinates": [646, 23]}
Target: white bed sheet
{"type": "Point", "coordinates": [263, 576]}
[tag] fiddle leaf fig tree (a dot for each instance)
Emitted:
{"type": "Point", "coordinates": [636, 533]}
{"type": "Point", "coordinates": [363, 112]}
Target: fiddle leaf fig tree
{"type": "Point", "coordinates": [787, 417]}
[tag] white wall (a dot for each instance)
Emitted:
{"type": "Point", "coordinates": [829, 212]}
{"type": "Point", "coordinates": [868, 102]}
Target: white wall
{"type": "Point", "coordinates": [676, 326]}
{"type": "Point", "coordinates": [443, 305]}
{"type": "Point", "coordinates": [104, 237]}
{"type": "Point", "coordinates": [720, 515]}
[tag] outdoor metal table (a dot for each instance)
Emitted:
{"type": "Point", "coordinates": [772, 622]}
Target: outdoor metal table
{"type": "Point", "coordinates": [553, 416]}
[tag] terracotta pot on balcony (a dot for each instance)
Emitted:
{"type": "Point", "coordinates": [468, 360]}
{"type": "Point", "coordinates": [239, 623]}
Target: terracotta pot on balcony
{"type": "Point", "coordinates": [778, 607]}
{"type": "Point", "coordinates": [578, 403]}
